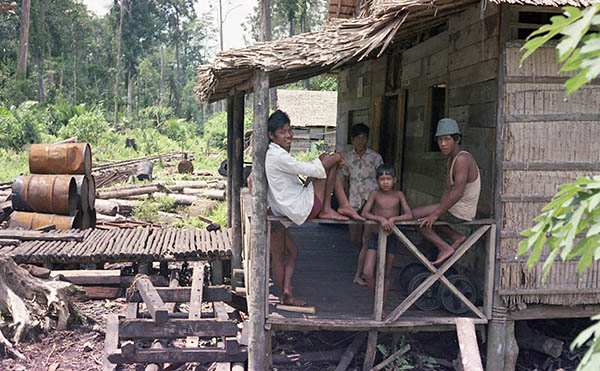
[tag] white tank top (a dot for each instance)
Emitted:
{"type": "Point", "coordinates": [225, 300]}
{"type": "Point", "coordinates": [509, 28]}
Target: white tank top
{"type": "Point", "coordinates": [466, 207]}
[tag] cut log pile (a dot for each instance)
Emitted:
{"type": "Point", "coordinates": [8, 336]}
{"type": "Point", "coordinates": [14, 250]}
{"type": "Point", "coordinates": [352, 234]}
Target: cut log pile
{"type": "Point", "coordinates": [59, 192]}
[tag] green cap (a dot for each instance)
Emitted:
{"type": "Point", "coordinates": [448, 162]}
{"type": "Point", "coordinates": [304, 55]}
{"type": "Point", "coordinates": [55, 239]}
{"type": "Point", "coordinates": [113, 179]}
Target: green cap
{"type": "Point", "coordinates": [447, 126]}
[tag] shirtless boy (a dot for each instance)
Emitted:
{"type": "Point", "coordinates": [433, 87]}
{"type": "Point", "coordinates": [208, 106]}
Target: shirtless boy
{"type": "Point", "coordinates": [384, 206]}
{"type": "Point", "coordinates": [299, 202]}
{"type": "Point", "coordinates": [458, 203]}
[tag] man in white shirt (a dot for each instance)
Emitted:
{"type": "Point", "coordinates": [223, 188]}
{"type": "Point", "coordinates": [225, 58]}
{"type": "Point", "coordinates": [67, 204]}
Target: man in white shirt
{"type": "Point", "coordinates": [299, 202]}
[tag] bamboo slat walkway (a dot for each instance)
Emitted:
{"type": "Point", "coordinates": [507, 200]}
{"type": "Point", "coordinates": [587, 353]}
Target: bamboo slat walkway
{"type": "Point", "coordinates": [122, 245]}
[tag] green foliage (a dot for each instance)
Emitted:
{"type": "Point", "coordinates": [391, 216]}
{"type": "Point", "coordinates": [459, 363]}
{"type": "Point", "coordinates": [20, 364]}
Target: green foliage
{"type": "Point", "coordinates": [13, 164]}
{"type": "Point", "coordinates": [316, 149]}
{"type": "Point", "coordinates": [578, 49]}
{"type": "Point", "coordinates": [191, 223]}
{"type": "Point", "coordinates": [400, 363]}
{"type": "Point", "coordinates": [215, 130]}
{"type": "Point", "coordinates": [146, 211]}
{"type": "Point", "coordinates": [21, 126]}
{"type": "Point", "coordinates": [87, 127]}
{"type": "Point", "coordinates": [219, 214]}
{"type": "Point", "coordinates": [573, 210]}
{"type": "Point", "coordinates": [165, 203]}
{"type": "Point", "coordinates": [591, 358]}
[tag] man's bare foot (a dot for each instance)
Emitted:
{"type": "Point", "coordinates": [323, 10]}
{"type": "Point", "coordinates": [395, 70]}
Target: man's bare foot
{"type": "Point", "coordinates": [350, 212]}
{"type": "Point", "coordinates": [456, 243]}
{"type": "Point", "coordinates": [332, 214]}
{"type": "Point", "coordinates": [290, 300]}
{"type": "Point", "coordinates": [443, 255]}
{"type": "Point", "coordinates": [359, 281]}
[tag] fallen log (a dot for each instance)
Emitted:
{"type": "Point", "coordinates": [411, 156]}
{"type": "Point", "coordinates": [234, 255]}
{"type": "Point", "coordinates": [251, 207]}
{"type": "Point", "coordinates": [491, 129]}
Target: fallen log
{"type": "Point", "coordinates": [179, 199]}
{"type": "Point", "coordinates": [133, 191]}
{"type": "Point", "coordinates": [107, 207]}
{"type": "Point", "coordinates": [180, 185]}
{"type": "Point", "coordinates": [528, 339]}
{"type": "Point", "coordinates": [206, 193]}
{"type": "Point", "coordinates": [29, 300]}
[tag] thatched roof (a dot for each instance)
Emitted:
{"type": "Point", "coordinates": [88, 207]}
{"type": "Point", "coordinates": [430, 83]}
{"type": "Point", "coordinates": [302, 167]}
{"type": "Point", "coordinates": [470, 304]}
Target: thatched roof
{"type": "Point", "coordinates": [340, 42]}
{"type": "Point", "coordinates": [309, 108]}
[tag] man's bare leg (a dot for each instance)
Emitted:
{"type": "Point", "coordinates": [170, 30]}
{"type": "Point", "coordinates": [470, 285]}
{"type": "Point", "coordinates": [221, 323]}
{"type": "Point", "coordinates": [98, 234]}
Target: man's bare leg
{"type": "Point", "coordinates": [345, 208]}
{"type": "Point", "coordinates": [292, 253]}
{"type": "Point", "coordinates": [430, 234]}
{"type": "Point", "coordinates": [357, 237]}
{"type": "Point", "coordinates": [323, 189]}
{"type": "Point", "coordinates": [277, 243]}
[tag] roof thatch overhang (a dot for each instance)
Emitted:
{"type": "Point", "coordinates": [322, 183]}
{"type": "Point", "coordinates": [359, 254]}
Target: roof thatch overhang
{"type": "Point", "coordinates": [339, 43]}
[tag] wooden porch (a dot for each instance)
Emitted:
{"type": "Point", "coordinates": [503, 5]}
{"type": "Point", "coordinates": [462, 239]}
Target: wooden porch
{"type": "Point", "coordinates": [323, 277]}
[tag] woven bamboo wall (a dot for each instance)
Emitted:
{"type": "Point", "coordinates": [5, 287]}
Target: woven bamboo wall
{"type": "Point", "coordinates": [548, 141]}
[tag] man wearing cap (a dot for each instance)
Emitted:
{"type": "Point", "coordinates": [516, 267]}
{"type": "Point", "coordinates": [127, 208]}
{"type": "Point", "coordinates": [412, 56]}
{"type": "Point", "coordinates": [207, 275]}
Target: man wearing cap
{"type": "Point", "coordinates": [458, 203]}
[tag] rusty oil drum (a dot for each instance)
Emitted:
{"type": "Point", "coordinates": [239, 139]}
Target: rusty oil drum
{"type": "Point", "coordinates": [82, 192]}
{"type": "Point", "coordinates": [92, 192]}
{"type": "Point", "coordinates": [53, 194]}
{"type": "Point", "coordinates": [60, 158]}
{"type": "Point", "coordinates": [25, 220]}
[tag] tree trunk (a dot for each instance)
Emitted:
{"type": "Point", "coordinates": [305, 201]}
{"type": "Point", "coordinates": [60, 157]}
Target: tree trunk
{"type": "Point", "coordinates": [129, 92]}
{"type": "Point", "coordinates": [119, 34]}
{"type": "Point", "coordinates": [23, 40]}
{"type": "Point", "coordinates": [162, 76]}
{"type": "Point", "coordinates": [35, 303]}
{"type": "Point", "coordinates": [41, 88]}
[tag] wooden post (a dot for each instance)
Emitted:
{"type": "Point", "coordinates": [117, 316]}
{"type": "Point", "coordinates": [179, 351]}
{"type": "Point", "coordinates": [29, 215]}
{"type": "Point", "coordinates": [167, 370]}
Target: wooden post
{"type": "Point", "coordinates": [496, 340]}
{"type": "Point", "coordinates": [378, 302]}
{"type": "Point", "coordinates": [258, 249]}
{"type": "Point", "coordinates": [230, 124]}
{"type": "Point", "coordinates": [237, 170]}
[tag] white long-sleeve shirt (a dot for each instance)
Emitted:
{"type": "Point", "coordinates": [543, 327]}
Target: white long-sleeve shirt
{"type": "Point", "coordinates": [285, 194]}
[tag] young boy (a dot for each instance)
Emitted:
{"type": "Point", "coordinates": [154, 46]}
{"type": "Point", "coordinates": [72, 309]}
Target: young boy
{"type": "Point", "coordinates": [384, 206]}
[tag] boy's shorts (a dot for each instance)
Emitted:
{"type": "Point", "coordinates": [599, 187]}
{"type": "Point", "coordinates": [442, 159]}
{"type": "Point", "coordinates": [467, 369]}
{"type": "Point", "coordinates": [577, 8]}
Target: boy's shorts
{"type": "Point", "coordinates": [392, 243]}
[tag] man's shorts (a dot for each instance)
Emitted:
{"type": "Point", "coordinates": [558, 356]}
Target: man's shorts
{"type": "Point", "coordinates": [392, 243]}
{"type": "Point", "coordinates": [456, 224]}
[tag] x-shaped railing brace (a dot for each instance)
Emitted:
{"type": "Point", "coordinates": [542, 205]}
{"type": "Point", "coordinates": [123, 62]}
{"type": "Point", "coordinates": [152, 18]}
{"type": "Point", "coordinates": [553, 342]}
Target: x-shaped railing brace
{"type": "Point", "coordinates": [437, 274]}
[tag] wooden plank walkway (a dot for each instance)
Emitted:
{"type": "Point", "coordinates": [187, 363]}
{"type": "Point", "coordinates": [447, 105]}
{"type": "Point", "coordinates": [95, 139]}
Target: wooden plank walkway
{"type": "Point", "coordinates": [323, 277]}
{"type": "Point", "coordinates": [122, 245]}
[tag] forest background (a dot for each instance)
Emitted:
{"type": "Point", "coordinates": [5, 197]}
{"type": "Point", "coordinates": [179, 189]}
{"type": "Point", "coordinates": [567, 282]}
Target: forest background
{"type": "Point", "coordinates": [127, 74]}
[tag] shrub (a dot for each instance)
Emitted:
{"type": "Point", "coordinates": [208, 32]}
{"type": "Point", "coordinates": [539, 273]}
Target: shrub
{"type": "Point", "coordinates": [21, 126]}
{"type": "Point", "coordinates": [87, 127]}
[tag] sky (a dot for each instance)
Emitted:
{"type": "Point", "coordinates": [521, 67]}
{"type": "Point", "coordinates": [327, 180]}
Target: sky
{"type": "Point", "coordinates": [235, 13]}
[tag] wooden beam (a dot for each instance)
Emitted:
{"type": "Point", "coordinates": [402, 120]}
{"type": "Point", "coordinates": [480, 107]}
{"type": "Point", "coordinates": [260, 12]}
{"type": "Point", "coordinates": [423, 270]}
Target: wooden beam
{"type": "Point", "coordinates": [237, 170]}
{"type": "Point", "coordinates": [378, 302]}
{"type": "Point", "coordinates": [258, 275]}
{"type": "Point", "coordinates": [489, 272]}
{"type": "Point", "coordinates": [178, 355]}
{"type": "Point", "coordinates": [230, 124]}
{"type": "Point", "coordinates": [541, 311]}
{"type": "Point", "coordinates": [550, 166]}
{"type": "Point", "coordinates": [351, 352]}
{"type": "Point", "coordinates": [183, 294]}
{"type": "Point", "coordinates": [156, 307]}
{"type": "Point", "coordinates": [467, 344]}
{"type": "Point", "coordinates": [111, 342]}
{"type": "Point", "coordinates": [175, 328]}
{"type": "Point", "coordinates": [195, 309]}
{"type": "Point", "coordinates": [553, 117]}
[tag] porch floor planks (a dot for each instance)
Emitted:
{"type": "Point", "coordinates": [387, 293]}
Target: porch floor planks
{"type": "Point", "coordinates": [323, 277]}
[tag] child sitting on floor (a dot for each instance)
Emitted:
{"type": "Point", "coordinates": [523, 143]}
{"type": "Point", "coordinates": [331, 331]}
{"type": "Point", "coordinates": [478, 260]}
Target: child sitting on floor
{"type": "Point", "coordinates": [384, 206]}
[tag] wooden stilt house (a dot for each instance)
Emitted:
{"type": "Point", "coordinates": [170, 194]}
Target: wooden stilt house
{"type": "Point", "coordinates": [402, 65]}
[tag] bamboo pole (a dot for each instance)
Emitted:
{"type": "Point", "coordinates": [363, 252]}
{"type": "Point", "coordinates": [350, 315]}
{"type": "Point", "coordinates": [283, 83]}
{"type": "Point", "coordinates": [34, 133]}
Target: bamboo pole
{"type": "Point", "coordinates": [258, 251]}
{"type": "Point", "coordinates": [230, 124]}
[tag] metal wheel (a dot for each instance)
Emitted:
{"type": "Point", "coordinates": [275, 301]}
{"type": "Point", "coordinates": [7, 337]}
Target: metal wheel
{"type": "Point", "coordinates": [408, 272]}
{"type": "Point", "coordinates": [429, 300]}
{"type": "Point", "coordinates": [450, 301]}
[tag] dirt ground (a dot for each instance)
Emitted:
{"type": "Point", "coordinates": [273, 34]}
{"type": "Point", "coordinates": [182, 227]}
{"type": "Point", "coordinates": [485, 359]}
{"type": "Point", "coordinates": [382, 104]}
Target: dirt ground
{"type": "Point", "coordinates": [81, 348]}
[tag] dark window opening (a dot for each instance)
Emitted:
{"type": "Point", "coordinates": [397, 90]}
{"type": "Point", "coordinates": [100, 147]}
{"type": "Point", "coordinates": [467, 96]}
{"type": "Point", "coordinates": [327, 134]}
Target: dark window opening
{"type": "Point", "coordinates": [438, 111]}
{"type": "Point", "coordinates": [531, 21]}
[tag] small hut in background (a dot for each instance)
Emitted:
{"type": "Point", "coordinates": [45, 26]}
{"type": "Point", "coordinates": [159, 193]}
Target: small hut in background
{"type": "Point", "coordinates": [313, 116]}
